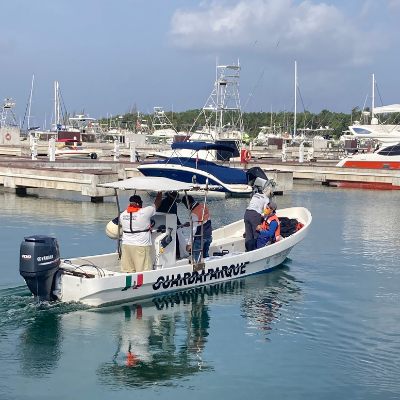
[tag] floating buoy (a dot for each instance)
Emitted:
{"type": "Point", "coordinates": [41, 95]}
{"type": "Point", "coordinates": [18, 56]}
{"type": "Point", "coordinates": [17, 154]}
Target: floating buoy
{"type": "Point", "coordinates": [112, 230]}
{"type": "Point", "coordinates": [8, 136]}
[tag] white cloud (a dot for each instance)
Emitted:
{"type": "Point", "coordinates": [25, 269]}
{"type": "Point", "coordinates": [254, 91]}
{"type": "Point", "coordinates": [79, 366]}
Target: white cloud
{"type": "Point", "coordinates": [319, 32]}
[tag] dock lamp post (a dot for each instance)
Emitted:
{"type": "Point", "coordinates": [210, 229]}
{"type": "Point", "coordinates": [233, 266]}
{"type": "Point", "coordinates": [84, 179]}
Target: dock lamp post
{"type": "Point", "coordinates": [52, 149]}
{"type": "Point", "coordinates": [116, 150]}
{"type": "Point", "coordinates": [301, 153]}
{"type": "Point", "coordinates": [34, 148]}
{"type": "Point", "coordinates": [132, 151]}
{"type": "Point", "coordinates": [284, 155]}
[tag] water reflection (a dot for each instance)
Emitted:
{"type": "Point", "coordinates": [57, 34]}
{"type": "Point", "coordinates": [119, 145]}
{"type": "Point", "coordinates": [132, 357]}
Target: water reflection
{"type": "Point", "coordinates": [164, 339]}
{"type": "Point", "coordinates": [157, 341]}
{"type": "Point", "coordinates": [263, 309]}
{"type": "Point", "coordinates": [155, 347]}
{"type": "Point", "coordinates": [372, 218]}
{"type": "Point", "coordinates": [40, 346]}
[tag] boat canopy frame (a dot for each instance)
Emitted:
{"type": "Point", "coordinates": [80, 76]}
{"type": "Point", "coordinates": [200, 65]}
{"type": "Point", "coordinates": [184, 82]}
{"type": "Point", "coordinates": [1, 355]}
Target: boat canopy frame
{"type": "Point", "coordinates": [198, 146]}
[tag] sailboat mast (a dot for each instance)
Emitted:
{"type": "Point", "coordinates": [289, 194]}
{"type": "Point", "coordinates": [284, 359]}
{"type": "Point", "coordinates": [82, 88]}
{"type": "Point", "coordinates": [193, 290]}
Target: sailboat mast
{"type": "Point", "coordinates": [373, 95]}
{"type": "Point", "coordinates": [55, 105]}
{"type": "Point", "coordinates": [295, 99]}
{"type": "Point", "coordinates": [30, 104]}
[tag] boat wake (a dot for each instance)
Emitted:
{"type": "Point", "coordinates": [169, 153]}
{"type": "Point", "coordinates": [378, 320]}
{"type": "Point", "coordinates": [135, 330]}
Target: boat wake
{"type": "Point", "coordinates": [18, 308]}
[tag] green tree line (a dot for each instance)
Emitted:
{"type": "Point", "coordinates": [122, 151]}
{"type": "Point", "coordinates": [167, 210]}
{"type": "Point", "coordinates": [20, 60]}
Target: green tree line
{"type": "Point", "coordinates": [253, 121]}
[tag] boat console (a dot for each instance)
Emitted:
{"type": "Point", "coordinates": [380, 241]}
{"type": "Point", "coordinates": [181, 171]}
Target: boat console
{"type": "Point", "coordinates": [163, 236]}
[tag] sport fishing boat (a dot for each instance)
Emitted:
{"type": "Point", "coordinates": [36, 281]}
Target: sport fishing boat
{"type": "Point", "coordinates": [204, 161]}
{"type": "Point", "coordinates": [98, 280]}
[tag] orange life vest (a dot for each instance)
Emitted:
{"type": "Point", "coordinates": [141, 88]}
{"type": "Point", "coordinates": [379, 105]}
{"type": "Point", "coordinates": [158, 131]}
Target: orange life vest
{"type": "Point", "coordinates": [132, 210]}
{"type": "Point", "coordinates": [267, 222]}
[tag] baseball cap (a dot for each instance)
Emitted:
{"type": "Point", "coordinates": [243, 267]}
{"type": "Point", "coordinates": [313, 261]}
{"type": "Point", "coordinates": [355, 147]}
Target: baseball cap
{"type": "Point", "coordinates": [135, 199]}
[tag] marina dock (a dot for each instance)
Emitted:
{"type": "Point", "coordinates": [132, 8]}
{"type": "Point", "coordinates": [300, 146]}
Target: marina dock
{"type": "Point", "coordinates": [328, 174]}
{"type": "Point", "coordinates": [20, 173]}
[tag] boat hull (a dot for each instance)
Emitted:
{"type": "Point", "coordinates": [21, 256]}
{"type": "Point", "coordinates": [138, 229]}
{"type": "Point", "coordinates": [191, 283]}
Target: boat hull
{"type": "Point", "coordinates": [120, 287]}
{"type": "Point", "coordinates": [385, 164]}
{"type": "Point", "coordinates": [185, 174]}
{"type": "Point", "coordinates": [364, 185]}
{"type": "Point", "coordinates": [73, 155]}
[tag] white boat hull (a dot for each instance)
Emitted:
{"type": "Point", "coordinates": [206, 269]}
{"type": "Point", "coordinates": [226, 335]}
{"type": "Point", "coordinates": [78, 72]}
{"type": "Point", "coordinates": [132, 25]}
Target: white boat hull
{"type": "Point", "coordinates": [115, 286]}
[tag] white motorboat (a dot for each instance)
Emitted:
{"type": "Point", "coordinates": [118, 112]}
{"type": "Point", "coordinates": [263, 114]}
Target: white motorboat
{"type": "Point", "coordinates": [210, 166]}
{"type": "Point", "coordinates": [66, 148]}
{"type": "Point", "coordinates": [97, 280]}
{"type": "Point", "coordinates": [387, 156]}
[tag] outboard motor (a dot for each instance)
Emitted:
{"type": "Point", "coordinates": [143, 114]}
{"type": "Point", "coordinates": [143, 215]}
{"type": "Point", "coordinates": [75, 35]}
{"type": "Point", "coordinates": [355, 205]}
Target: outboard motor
{"type": "Point", "coordinates": [257, 179]}
{"type": "Point", "coordinates": [38, 265]}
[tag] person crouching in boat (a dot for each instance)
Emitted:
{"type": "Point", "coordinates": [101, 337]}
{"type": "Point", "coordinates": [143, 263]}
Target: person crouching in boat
{"type": "Point", "coordinates": [199, 213]}
{"type": "Point", "coordinates": [253, 218]}
{"type": "Point", "coordinates": [136, 239]}
{"type": "Point", "coordinates": [270, 229]}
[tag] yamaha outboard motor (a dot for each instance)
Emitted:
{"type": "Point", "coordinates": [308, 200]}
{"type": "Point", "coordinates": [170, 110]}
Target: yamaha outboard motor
{"type": "Point", "coordinates": [257, 179]}
{"type": "Point", "coordinates": [38, 265]}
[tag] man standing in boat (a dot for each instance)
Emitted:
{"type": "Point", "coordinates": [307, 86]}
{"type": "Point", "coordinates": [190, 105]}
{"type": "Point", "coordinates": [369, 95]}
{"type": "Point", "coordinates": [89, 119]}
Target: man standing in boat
{"type": "Point", "coordinates": [136, 239]}
{"type": "Point", "coordinates": [199, 213]}
{"type": "Point", "coordinates": [253, 218]}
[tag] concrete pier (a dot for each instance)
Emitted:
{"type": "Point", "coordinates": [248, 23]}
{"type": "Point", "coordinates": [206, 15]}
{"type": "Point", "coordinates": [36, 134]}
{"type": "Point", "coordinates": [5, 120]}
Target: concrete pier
{"type": "Point", "coordinates": [84, 181]}
{"type": "Point", "coordinates": [331, 175]}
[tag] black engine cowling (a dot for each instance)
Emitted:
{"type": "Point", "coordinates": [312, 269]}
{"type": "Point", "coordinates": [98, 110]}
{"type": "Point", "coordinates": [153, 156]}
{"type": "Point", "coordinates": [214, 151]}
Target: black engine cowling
{"type": "Point", "coordinates": [38, 265]}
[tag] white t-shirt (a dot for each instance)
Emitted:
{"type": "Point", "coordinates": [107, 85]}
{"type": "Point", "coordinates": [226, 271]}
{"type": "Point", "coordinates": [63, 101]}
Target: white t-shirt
{"type": "Point", "coordinates": [258, 202]}
{"type": "Point", "coordinates": [140, 221]}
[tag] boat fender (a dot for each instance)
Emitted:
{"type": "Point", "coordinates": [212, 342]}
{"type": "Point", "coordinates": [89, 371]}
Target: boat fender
{"type": "Point", "coordinates": [112, 230]}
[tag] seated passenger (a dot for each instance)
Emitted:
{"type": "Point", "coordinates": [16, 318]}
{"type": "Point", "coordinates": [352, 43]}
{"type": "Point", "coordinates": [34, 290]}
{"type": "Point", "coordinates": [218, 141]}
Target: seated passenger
{"type": "Point", "coordinates": [269, 229]}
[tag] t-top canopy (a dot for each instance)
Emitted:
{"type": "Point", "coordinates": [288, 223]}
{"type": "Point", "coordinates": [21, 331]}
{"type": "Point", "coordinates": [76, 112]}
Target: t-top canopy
{"type": "Point", "coordinates": [387, 109]}
{"type": "Point", "coordinates": [153, 183]}
{"type": "Point", "coordinates": [196, 146]}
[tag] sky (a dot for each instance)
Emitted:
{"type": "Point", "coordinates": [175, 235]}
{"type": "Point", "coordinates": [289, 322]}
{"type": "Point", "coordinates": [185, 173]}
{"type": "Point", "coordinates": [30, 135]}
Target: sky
{"type": "Point", "coordinates": [111, 55]}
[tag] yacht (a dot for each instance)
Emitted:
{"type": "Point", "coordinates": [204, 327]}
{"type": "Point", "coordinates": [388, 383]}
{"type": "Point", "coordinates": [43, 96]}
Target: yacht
{"type": "Point", "coordinates": [186, 165]}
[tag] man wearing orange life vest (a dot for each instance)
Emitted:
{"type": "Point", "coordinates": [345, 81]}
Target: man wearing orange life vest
{"type": "Point", "coordinates": [199, 212]}
{"type": "Point", "coordinates": [270, 229]}
{"type": "Point", "coordinates": [136, 239]}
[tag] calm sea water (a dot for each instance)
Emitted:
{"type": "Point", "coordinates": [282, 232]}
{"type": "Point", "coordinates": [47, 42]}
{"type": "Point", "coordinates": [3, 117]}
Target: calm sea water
{"type": "Point", "coordinates": [325, 325]}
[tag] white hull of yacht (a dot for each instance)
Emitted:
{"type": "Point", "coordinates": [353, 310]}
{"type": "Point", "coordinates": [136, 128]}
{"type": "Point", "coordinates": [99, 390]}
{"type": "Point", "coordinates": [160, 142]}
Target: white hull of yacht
{"type": "Point", "coordinates": [73, 155]}
{"type": "Point", "coordinates": [106, 285]}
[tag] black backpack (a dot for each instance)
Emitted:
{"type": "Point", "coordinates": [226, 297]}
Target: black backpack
{"type": "Point", "coordinates": [288, 226]}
